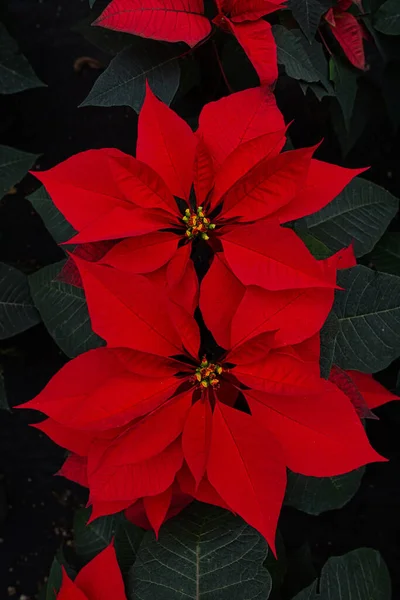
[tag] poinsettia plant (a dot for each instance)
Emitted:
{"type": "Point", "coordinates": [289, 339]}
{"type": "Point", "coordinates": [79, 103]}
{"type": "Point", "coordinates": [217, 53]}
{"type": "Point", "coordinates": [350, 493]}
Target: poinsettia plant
{"type": "Point", "coordinates": [226, 302]}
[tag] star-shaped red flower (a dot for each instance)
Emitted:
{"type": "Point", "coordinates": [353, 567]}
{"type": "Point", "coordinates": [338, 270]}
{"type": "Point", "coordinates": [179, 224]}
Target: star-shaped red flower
{"type": "Point", "coordinates": [153, 420]}
{"type": "Point", "coordinates": [244, 188]}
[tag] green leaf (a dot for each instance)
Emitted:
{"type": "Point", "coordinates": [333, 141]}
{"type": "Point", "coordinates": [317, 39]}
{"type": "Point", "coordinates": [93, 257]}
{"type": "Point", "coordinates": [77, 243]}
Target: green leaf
{"type": "Point", "coordinates": [16, 74]}
{"type": "Point", "coordinates": [359, 575]}
{"type": "Point", "coordinates": [123, 83]}
{"type": "Point", "coordinates": [315, 495]}
{"type": "Point", "coordinates": [127, 541]}
{"type": "Point", "coordinates": [359, 214]}
{"type": "Point", "coordinates": [205, 553]}
{"type": "Point", "coordinates": [14, 165]}
{"type": "Point", "coordinates": [54, 580]}
{"type": "Point", "coordinates": [308, 14]}
{"type": "Point", "coordinates": [387, 18]}
{"type": "Point", "coordinates": [91, 3]}
{"type": "Point", "coordinates": [64, 311]}
{"type": "Point", "coordinates": [317, 248]}
{"type": "Point", "coordinates": [92, 538]}
{"type": "Point", "coordinates": [293, 56]}
{"type": "Point", "coordinates": [3, 395]}
{"type": "Point", "coordinates": [309, 593]}
{"type": "Point", "coordinates": [368, 309]}
{"type": "Point", "coordinates": [53, 219]}
{"type": "Point", "coordinates": [345, 79]}
{"type": "Point", "coordinates": [17, 311]}
{"type": "Point", "coordinates": [386, 254]}
{"type": "Point", "coordinates": [328, 337]}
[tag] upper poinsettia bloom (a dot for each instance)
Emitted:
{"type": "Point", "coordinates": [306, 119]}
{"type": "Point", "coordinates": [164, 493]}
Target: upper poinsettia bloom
{"type": "Point", "coordinates": [348, 31]}
{"type": "Point", "coordinates": [184, 21]}
{"type": "Point", "coordinates": [101, 578]}
{"type": "Point", "coordinates": [239, 177]}
{"type": "Point", "coordinates": [162, 411]}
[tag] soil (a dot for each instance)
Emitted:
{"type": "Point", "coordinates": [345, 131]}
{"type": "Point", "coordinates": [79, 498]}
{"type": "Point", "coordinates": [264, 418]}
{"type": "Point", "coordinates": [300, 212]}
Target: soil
{"type": "Point", "coordinates": [36, 508]}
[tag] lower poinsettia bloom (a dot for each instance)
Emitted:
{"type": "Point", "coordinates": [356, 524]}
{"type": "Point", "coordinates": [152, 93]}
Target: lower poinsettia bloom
{"type": "Point", "coordinates": [167, 413]}
{"type": "Point", "coordinates": [244, 187]}
{"type": "Point", "coordinates": [348, 31]}
{"type": "Point", "coordinates": [101, 578]}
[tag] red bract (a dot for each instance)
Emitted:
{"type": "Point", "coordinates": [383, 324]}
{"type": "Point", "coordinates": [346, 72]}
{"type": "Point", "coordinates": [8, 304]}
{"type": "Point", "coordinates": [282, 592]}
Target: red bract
{"type": "Point", "coordinates": [244, 189]}
{"type": "Point", "coordinates": [152, 423]}
{"type": "Point", "coordinates": [348, 31]}
{"type": "Point", "coordinates": [184, 21]}
{"type": "Point", "coordinates": [100, 579]}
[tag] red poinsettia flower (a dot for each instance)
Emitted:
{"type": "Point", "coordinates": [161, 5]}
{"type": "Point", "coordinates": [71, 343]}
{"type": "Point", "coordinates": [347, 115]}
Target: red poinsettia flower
{"type": "Point", "coordinates": [348, 31]}
{"type": "Point", "coordinates": [157, 418]}
{"type": "Point", "coordinates": [184, 21]}
{"type": "Point", "coordinates": [244, 188]}
{"type": "Point", "coordinates": [100, 579]}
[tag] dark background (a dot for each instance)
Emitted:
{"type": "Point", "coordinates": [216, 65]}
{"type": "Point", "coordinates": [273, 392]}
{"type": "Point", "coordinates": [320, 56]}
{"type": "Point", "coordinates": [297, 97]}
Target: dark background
{"type": "Point", "coordinates": [36, 508]}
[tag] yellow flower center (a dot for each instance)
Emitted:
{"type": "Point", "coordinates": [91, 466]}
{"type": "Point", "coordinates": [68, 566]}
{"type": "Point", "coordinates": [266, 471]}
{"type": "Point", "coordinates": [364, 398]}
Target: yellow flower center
{"type": "Point", "coordinates": [207, 373]}
{"type": "Point", "coordinates": [197, 224]}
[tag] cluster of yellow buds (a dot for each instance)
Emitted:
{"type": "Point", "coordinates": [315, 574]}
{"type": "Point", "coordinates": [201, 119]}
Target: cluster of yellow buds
{"type": "Point", "coordinates": [206, 374]}
{"type": "Point", "coordinates": [197, 223]}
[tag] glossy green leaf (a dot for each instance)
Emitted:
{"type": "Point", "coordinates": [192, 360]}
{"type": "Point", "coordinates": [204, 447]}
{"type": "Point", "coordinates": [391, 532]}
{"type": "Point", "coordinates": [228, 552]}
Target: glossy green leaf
{"type": "Point", "coordinates": [359, 215]}
{"type": "Point", "coordinates": [368, 310]}
{"type": "Point", "coordinates": [359, 575]}
{"type": "Point", "coordinates": [64, 311]}
{"type": "Point", "coordinates": [293, 56]}
{"type": "Point", "coordinates": [344, 78]}
{"type": "Point", "coordinates": [123, 83]}
{"type": "Point", "coordinates": [387, 18]}
{"type": "Point", "coordinates": [204, 553]}
{"type": "Point", "coordinates": [17, 310]}
{"type": "Point", "coordinates": [14, 165]}
{"type": "Point", "coordinates": [315, 495]}
{"type": "Point", "coordinates": [127, 541]}
{"type": "Point", "coordinates": [308, 14]}
{"type": "Point", "coordinates": [54, 581]}
{"type": "Point", "coordinates": [16, 74]}
{"type": "Point", "coordinates": [54, 221]}
{"type": "Point", "coordinates": [92, 538]}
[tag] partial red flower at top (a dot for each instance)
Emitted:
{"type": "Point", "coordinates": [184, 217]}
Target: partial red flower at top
{"type": "Point", "coordinates": [348, 31]}
{"type": "Point", "coordinates": [157, 418]}
{"type": "Point", "coordinates": [184, 21]}
{"type": "Point", "coordinates": [229, 175]}
{"type": "Point", "coordinates": [100, 579]}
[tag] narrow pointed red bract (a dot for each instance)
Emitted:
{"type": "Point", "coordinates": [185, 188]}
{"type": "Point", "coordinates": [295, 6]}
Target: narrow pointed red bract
{"type": "Point", "coordinates": [272, 183]}
{"type": "Point", "coordinates": [171, 21]}
{"type": "Point", "coordinates": [75, 469]}
{"type": "Point", "coordinates": [321, 436]}
{"type": "Point", "coordinates": [317, 192]}
{"type": "Point", "coordinates": [101, 578]}
{"type": "Point", "coordinates": [345, 383]}
{"type": "Point", "coordinates": [374, 393]}
{"type": "Point", "coordinates": [348, 32]}
{"type": "Point", "coordinates": [142, 254]}
{"type": "Point", "coordinates": [272, 257]}
{"type": "Point", "coordinates": [236, 119]}
{"type": "Point", "coordinates": [220, 296]}
{"type": "Point", "coordinates": [128, 311]}
{"type": "Point", "coordinates": [246, 468]}
{"type": "Point", "coordinates": [259, 44]}
{"type": "Point", "coordinates": [167, 144]}
{"type": "Point", "coordinates": [156, 508]}
{"type": "Point", "coordinates": [196, 438]}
